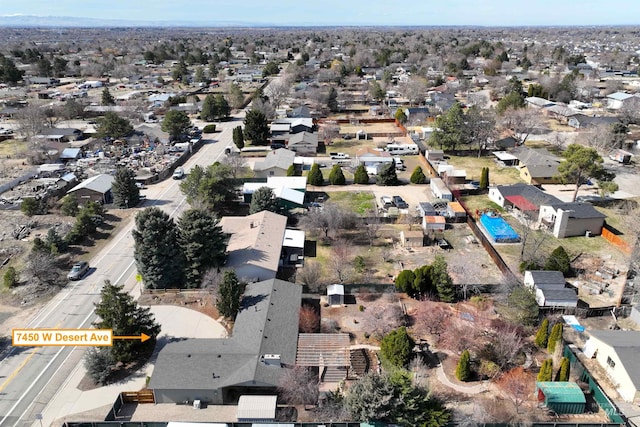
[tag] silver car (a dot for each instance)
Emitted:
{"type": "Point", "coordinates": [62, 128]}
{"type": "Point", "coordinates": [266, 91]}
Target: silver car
{"type": "Point", "coordinates": [78, 270]}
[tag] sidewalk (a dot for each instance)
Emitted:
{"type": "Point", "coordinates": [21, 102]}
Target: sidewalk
{"type": "Point", "coordinates": [475, 389]}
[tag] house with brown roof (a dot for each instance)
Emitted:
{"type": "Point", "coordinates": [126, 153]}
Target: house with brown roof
{"type": "Point", "coordinates": [255, 246]}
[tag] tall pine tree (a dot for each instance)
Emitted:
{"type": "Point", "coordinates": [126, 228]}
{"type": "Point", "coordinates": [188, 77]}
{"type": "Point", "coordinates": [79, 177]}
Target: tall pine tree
{"type": "Point", "coordinates": [157, 253]}
{"type": "Point", "coordinates": [124, 189]}
{"type": "Point", "coordinates": [546, 371]}
{"type": "Point", "coordinates": [360, 176]}
{"type": "Point", "coordinates": [555, 337]}
{"type": "Point", "coordinates": [315, 175]}
{"type": "Point", "coordinates": [229, 295]}
{"type": "Point", "coordinates": [117, 310]}
{"type": "Point", "coordinates": [203, 244]}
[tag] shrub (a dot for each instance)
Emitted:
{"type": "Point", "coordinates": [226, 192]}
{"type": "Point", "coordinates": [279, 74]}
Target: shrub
{"type": "Point", "coordinates": [361, 308]}
{"type": "Point", "coordinates": [555, 337]}
{"type": "Point", "coordinates": [209, 128]}
{"type": "Point", "coordinates": [463, 370]}
{"type": "Point", "coordinates": [10, 277]}
{"type": "Point", "coordinates": [529, 265]}
{"type": "Point", "coordinates": [30, 206]}
{"type": "Point", "coordinates": [359, 264]}
{"type": "Point", "coordinates": [396, 347]}
{"type": "Point", "coordinates": [542, 336]}
{"type": "Point", "coordinates": [417, 177]}
{"type": "Point", "coordinates": [558, 261]}
{"type": "Point", "coordinates": [563, 373]}
{"type": "Point", "coordinates": [546, 371]}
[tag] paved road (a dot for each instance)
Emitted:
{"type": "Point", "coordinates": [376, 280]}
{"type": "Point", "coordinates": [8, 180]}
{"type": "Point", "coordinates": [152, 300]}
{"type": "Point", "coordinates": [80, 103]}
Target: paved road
{"type": "Point", "coordinates": [30, 377]}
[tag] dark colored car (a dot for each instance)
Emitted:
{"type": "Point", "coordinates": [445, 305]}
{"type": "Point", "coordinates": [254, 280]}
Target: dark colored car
{"type": "Point", "coordinates": [399, 202]}
{"type": "Point", "coordinates": [78, 270]}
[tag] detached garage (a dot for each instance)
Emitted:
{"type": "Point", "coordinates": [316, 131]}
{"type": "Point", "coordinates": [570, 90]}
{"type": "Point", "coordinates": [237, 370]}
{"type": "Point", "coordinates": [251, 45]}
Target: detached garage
{"type": "Point", "coordinates": [562, 397]}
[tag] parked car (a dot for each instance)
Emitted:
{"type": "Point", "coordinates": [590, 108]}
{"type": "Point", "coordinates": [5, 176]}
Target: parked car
{"type": "Point", "coordinates": [178, 173]}
{"type": "Point", "coordinates": [386, 202]}
{"type": "Point", "coordinates": [78, 270]}
{"type": "Point", "coordinates": [399, 202]}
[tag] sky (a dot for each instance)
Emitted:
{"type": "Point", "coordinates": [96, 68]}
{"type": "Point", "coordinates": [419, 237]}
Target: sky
{"type": "Point", "coordinates": [343, 12]}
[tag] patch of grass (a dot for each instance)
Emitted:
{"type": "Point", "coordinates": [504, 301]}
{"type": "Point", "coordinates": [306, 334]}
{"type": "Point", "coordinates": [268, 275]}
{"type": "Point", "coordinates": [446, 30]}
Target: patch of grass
{"type": "Point", "coordinates": [480, 203]}
{"type": "Point", "coordinates": [359, 202]}
{"type": "Point", "coordinates": [11, 147]}
{"type": "Point", "coordinates": [473, 166]}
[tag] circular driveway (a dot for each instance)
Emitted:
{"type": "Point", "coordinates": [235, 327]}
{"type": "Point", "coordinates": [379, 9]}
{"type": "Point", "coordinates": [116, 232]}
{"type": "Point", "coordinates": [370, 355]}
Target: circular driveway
{"type": "Point", "coordinates": [180, 322]}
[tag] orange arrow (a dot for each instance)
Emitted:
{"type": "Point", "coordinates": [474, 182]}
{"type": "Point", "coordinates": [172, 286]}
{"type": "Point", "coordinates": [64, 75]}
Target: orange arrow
{"type": "Point", "coordinates": [142, 337]}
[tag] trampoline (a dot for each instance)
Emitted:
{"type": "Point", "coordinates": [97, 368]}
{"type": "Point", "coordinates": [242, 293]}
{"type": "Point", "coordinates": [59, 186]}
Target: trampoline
{"type": "Point", "coordinates": [498, 229]}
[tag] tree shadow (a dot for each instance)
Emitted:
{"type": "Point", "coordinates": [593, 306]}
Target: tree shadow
{"type": "Point", "coordinates": [251, 300]}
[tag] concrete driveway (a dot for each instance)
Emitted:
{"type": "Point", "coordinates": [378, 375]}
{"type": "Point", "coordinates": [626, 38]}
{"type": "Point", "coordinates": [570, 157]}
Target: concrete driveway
{"type": "Point", "coordinates": [181, 322]}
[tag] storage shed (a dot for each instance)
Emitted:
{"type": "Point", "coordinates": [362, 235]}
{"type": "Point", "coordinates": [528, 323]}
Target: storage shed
{"type": "Point", "coordinates": [562, 397]}
{"type": "Point", "coordinates": [433, 223]}
{"type": "Point", "coordinates": [335, 294]}
{"type": "Point", "coordinates": [412, 239]}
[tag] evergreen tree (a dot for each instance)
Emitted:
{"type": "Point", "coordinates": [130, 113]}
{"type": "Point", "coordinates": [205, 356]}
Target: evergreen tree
{"type": "Point", "coordinates": [336, 176]}
{"type": "Point", "coordinates": [229, 295]}
{"type": "Point", "coordinates": [238, 137]}
{"type": "Point", "coordinates": [360, 175]}
{"type": "Point", "coordinates": [157, 252]}
{"type": "Point", "coordinates": [542, 336]}
{"type": "Point", "coordinates": [563, 373]}
{"type": "Point", "coordinates": [554, 337]}
{"type": "Point", "coordinates": [404, 281]}
{"type": "Point", "coordinates": [332, 99]}
{"type": "Point", "coordinates": [222, 107]}
{"type": "Point", "coordinates": [400, 116]}
{"type": "Point", "coordinates": [256, 128]}
{"type": "Point", "coordinates": [441, 279]}
{"type": "Point", "coordinates": [396, 347]}
{"type": "Point", "coordinates": [208, 113]}
{"type": "Point", "coordinates": [484, 178]}
{"type": "Point", "coordinates": [203, 244]}
{"type": "Point", "coordinates": [29, 206]}
{"type": "Point", "coordinates": [175, 123]}
{"type": "Point", "coordinates": [55, 242]}
{"type": "Point", "coordinates": [546, 371]}
{"type": "Point", "coordinates": [107, 98]}
{"type": "Point", "coordinates": [263, 199]}
{"type": "Point", "coordinates": [315, 176]}
{"type": "Point", "coordinates": [125, 192]}
{"type": "Point", "coordinates": [418, 177]}
{"type": "Point", "coordinates": [69, 205]}
{"type": "Point", "coordinates": [558, 261]}
{"type": "Point", "coordinates": [9, 73]}
{"type": "Point", "coordinates": [291, 170]}
{"type": "Point", "coordinates": [10, 277]}
{"type": "Point", "coordinates": [463, 370]}
{"type": "Point", "coordinates": [118, 311]}
{"type": "Point", "coordinates": [522, 306]}
{"type": "Point", "coordinates": [113, 126]}
{"type": "Point", "coordinates": [387, 175]}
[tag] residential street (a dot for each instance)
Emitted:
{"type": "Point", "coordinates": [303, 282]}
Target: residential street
{"type": "Point", "coordinates": [31, 376]}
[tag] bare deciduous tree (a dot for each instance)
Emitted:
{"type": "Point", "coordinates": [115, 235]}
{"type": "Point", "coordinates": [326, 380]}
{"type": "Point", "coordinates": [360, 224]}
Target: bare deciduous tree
{"type": "Point", "coordinates": [380, 320]}
{"type": "Point", "coordinates": [517, 385]}
{"type": "Point", "coordinates": [309, 319]}
{"type": "Point", "coordinates": [331, 218]}
{"type": "Point", "coordinates": [236, 162]}
{"type": "Point", "coordinates": [522, 122]}
{"type": "Point", "coordinates": [432, 318]}
{"type": "Point", "coordinates": [42, 267]}
{"type": "Point", "coordinates": [278, 91]}
{"type": "Point", "coordinates": [341, 260]}
{"type": "Point", "coordinates": [299, 386]}
{"type": "Point", "coordinates": [310, 274]}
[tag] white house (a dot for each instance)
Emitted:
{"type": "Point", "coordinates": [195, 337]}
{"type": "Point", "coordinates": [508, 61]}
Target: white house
{"type": "Point", "coordinates": [617, 352]}
{"type": "Point", "coordinates": [550, 290]}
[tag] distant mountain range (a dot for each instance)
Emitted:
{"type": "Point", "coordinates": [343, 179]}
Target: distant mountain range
{"type": "Point", "coordinates": [22, 21]}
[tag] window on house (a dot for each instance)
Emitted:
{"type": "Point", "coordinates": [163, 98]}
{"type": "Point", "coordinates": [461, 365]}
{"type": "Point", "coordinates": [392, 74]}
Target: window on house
{"type": "Point", "coordinates": [610, 362]}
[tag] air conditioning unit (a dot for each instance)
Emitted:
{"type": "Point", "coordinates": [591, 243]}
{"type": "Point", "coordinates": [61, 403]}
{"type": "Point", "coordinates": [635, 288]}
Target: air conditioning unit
{"type": "Point", "coordinates": [197, 404]}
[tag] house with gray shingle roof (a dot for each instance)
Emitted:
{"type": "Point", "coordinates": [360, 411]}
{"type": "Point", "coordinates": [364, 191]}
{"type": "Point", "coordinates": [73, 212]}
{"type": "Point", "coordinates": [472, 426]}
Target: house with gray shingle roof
{"type": "Point", "coordinates": [275, 163]}
{"type": "Point", "coordinates": [572, 219]}
{"type": "Point", "coordinates": [261, 348]}
{"type": "Point", "coordinates": [617, 353]}
{"type": "Point", "coordinates": [537, 166]}
{"type": "Point", "coordinates": [96, 188]}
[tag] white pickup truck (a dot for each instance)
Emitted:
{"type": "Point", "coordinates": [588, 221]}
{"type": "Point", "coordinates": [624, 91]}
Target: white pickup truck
{"type": "Point", "coordinates": [339, 156]}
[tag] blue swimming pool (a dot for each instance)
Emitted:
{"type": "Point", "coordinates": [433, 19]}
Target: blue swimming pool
{"type": "Point", "coordinates": [499, 230]}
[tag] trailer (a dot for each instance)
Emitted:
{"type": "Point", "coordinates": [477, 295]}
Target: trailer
{"type": "Point", "coordinates": [402, 149]}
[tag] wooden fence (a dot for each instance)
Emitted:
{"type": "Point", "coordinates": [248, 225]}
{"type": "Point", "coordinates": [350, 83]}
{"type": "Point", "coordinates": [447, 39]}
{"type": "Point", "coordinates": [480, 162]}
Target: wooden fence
{"type": "Point", "coordinates": [142, 396]}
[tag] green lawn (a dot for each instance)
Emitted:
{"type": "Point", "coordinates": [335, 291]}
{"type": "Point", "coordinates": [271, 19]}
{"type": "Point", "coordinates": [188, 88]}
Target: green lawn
{"type": "Point", "coordinates": [357, 202]}
{"type": "Point", "coordinates": [480, 203]}
{"type": "Point", "coordinates": [474, 165]}
{"type": "Point", "coordinates": [12, 146]}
